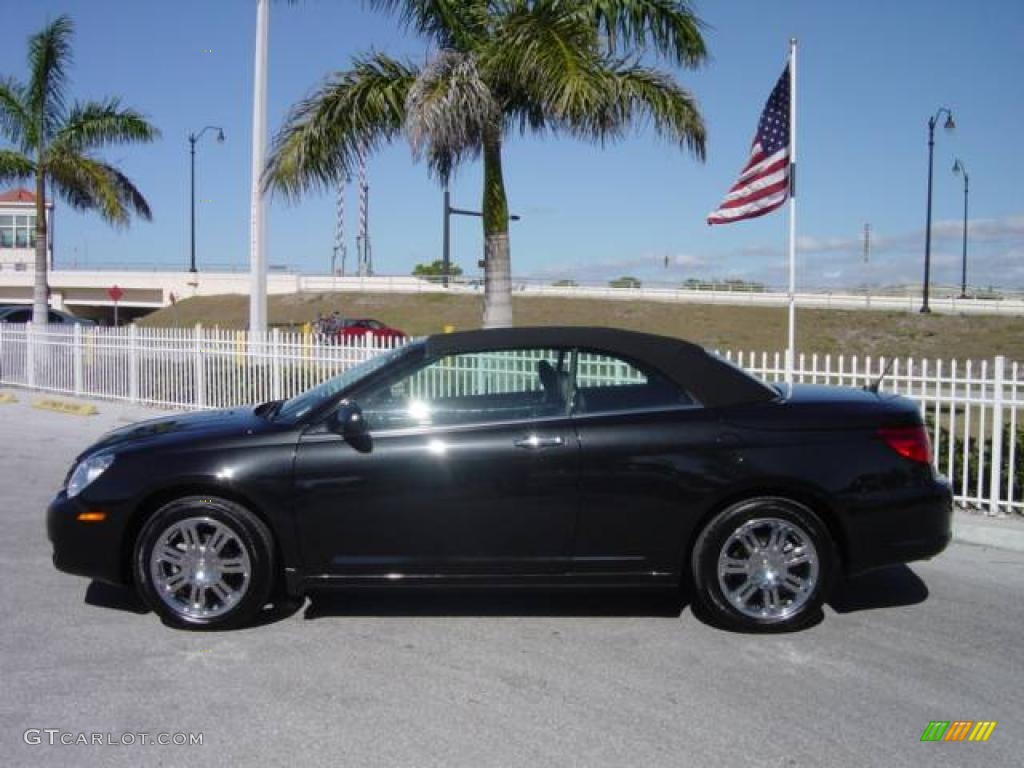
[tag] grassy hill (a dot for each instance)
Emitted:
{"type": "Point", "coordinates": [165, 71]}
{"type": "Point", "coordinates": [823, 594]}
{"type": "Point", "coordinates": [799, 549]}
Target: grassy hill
{"type": "Point", "coordinates": [749, 328]}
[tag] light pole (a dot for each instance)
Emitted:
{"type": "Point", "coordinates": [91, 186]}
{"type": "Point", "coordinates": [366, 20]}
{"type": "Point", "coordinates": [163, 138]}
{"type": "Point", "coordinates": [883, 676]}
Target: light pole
{"type": "Point", "coordinates": [960, 168]}
{"type": "Point", "coordinates": [949, 126]}
{"type": "Point", "coordinates": [192, 139]}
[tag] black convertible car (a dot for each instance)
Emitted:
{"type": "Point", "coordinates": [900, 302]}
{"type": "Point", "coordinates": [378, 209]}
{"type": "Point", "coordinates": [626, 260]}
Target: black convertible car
{"type": "Point", "coordinates": [585, 457]}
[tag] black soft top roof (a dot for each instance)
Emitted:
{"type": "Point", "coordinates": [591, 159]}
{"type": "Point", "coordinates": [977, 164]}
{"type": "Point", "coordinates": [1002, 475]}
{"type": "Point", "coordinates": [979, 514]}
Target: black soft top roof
{"type": "Point", "coordinates": [711, 380]}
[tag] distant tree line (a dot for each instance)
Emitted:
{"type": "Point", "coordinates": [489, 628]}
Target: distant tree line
{"type": "Point", "coordinates": [436, 269]}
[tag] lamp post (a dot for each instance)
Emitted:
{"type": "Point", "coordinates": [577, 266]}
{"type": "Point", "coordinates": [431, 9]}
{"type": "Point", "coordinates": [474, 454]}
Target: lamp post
{"type": "Point", "coordinates": [192, 139]}
{"type": "Point", "coordinates": [449, 211]}
{"type": "Point", "coordinates": [960, 168]}
{"type": "Point", "coordinates": [949, 125]}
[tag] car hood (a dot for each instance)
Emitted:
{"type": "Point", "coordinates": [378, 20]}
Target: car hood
{"type": "Point", "coordinates": [186, 426]}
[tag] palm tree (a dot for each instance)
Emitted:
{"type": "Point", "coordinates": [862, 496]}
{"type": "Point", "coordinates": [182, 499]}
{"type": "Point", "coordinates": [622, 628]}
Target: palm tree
{"type": "Point", "coordinates": [561, 66]}
{"type": "Point", "coordinates": [55, 142]}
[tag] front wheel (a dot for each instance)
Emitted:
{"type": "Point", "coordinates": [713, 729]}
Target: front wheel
{"type": "Point", "coordinates": [204, 562]}
{"type": "Point", "coordinates": [763, 565]}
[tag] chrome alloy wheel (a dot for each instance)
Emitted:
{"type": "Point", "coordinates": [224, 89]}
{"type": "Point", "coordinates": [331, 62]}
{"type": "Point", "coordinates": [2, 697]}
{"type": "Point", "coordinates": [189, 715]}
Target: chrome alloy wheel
{"type": "Point", "coordinates": [768, 568]}
{"type": "Point", "coordinates": [200, 568]}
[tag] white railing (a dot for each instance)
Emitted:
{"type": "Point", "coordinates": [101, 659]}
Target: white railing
{"type": "Point", "coordinates": [973, 408]}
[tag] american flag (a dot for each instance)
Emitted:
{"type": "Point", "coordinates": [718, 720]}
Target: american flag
{"type": "Point", "coordinates": [764, 181]}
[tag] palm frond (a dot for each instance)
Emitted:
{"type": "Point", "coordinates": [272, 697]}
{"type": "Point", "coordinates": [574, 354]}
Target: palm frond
{"type": "Point", "coordinates": [352, 112]}
{"type": "Point", "coordinates": [448, 108]}
{"type": "Point", "coordinates": [101, 123]}
{"type": "Point", "coordinates": [90, 184]}
{"type": "Point", "coordinates": [553, 72]}
{"type": "Point", "coordinates": [452, 24]}
{"type": "Point", "coordinates": [540, 43]}
{"type": "Point", "coordinates": [14, 118]}
{"type": "Point", "coordinates": [671, 27]}
{"type": "Point", "coordinates": [49, 60]}
{"type": "Point", "coordinates": [637, 93]}
{"type": "Point", "coordinates": [14, 166]}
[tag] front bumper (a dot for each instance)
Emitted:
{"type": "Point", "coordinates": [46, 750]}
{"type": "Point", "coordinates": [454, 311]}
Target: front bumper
{"type": "Point", "coordinates": [915, 524]}
{"type": "Point", "coordinates": [93, 549]}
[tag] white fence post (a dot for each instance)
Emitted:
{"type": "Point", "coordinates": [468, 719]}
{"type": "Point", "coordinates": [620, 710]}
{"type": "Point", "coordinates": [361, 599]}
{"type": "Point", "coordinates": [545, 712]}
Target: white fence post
{"type": "Point", "coordinates": [30, 354]}
{"type": "Point", "coordinates": [275, 364]}
{"type": "Point", "coordinates": [996, 460]}
{"type": "Point", "coordinates": [76, 358]}
{"type": "Point", "coordinates": [199, 389]}
{"type": "Point", "coordinates": [133, 363]}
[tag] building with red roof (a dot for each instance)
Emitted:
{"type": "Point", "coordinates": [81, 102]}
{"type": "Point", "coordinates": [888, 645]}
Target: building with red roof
{"type": "Point", "coordinates": [18, 229]}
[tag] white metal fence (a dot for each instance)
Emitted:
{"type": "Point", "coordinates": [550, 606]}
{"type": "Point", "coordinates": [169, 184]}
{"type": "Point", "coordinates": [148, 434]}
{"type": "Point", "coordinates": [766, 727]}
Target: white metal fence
{"type": "Point", "coordinates": [973, 408]}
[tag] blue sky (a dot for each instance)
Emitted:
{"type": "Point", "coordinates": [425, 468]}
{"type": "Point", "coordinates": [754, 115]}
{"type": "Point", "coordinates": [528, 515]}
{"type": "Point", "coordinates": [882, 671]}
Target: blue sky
{"type": "Point", "coordinates": [870, 74]}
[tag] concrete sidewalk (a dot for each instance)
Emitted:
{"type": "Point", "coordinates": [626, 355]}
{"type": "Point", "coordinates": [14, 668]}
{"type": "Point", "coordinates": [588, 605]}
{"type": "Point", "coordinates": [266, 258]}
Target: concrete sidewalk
{"type": "Point", "coordinates": [998, 532]}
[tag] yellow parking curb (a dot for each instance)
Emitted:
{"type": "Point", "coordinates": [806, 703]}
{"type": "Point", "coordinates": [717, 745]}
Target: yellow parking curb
{"type": "Point", "coordinates": [65, 406]}
{"type": "Point", "coordinates": [7, 397]}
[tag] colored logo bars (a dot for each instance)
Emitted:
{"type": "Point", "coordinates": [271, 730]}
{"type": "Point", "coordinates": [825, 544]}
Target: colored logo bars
{"type": "Point", "coordinates": [958, 730]}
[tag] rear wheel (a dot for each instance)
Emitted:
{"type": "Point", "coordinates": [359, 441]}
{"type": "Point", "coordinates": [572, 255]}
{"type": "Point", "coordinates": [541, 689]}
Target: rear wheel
{"type": "Point", "coordinates": [763, 564]}
{"type": "Point", "coordinates": [204, 562]}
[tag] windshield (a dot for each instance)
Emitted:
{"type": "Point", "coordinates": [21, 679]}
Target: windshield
{"type": "Point", "coordinates": [300, 405]}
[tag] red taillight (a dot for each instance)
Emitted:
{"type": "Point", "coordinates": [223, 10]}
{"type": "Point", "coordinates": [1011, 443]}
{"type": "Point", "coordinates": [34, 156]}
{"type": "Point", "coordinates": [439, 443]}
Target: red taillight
{"type": "Point", "coordinates": [910, 442]}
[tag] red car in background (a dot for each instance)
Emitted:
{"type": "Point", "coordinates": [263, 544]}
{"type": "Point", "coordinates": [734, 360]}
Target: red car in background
{"type": "Point", "coordinates": [363, 326]}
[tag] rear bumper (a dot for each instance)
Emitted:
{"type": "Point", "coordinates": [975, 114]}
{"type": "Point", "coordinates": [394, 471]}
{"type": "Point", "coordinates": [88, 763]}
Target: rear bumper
{"type": "Point", "coordinates": [86, 549]}
{"type": "Point", "coordinates": [915, 524]}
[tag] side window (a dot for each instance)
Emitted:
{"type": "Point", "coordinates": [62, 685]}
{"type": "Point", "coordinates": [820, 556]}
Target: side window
{"type": "Point", "coordinates": [55, 318]}
{"type": "Point", "coordinates": [19, 316]}
{"type": "Point", "coordinates": [606, 384]}
{"type": "Point", "coordinates": [476, 388]}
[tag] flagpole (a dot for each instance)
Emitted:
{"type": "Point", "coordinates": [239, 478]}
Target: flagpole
{"type": "Point", "coordinates": [257, 205]}
{"type": "Point", "coordinates": [791, 348]}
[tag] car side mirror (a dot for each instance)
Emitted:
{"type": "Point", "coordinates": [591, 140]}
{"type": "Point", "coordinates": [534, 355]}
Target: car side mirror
{"type": "Point", "coordinates": [348, 422]}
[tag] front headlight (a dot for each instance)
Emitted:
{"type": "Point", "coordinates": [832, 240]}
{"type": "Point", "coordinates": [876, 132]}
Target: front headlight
{"type": "Point", "coordinates": [87, 471]}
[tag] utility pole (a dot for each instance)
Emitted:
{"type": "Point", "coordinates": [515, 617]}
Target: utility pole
{"type": "Point", "coordinates": [365, 253]}
{"type": "Point", "coordinates": [340, 249]}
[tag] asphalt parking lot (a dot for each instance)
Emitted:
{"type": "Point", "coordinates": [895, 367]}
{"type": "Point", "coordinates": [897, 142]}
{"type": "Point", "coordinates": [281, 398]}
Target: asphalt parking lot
{"type": "Point", "coordinates": [484, 679]}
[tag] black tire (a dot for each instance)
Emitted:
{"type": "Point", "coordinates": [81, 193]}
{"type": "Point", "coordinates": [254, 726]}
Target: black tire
{"type": "Point", "coordinates": [248, 531]}
{"type": "Point", "coordinates": [804, 605]}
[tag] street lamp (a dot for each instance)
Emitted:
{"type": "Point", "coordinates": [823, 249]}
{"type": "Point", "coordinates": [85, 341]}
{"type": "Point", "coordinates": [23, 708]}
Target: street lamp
{"type": "Point", "coordinates": [960, 168]}
{"type": "Point", "coordinates": [192, 139]}
{"type": "Point", "coordinates": [949, 126]}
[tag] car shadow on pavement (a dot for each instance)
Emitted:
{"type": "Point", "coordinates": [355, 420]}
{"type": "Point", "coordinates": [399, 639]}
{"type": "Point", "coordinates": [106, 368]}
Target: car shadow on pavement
{"type": "Point", "coordinates": [891, 587]}
{"type": "Point", "coordinates": [484, 602]}
{"type": "Point", "coordinates": [125, 599]}
{"type": "Point", "coordinates": [116, 598]}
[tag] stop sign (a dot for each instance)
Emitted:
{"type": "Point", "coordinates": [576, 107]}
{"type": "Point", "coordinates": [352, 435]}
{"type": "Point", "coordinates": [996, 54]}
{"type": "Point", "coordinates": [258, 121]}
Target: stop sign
{"type": "Point", "coordinates": [115, 293]}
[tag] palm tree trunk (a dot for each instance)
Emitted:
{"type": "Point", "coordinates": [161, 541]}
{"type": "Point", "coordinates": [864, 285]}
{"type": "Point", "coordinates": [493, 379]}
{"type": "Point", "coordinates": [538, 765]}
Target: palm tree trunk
{"type": "Point", "coordinates": [497, 257]}
{"type": "Point", "coordinates": [40, 291]}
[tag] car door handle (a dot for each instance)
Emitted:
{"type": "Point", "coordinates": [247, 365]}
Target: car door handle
{"type": "Point", "coordinates": [535, 442]}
